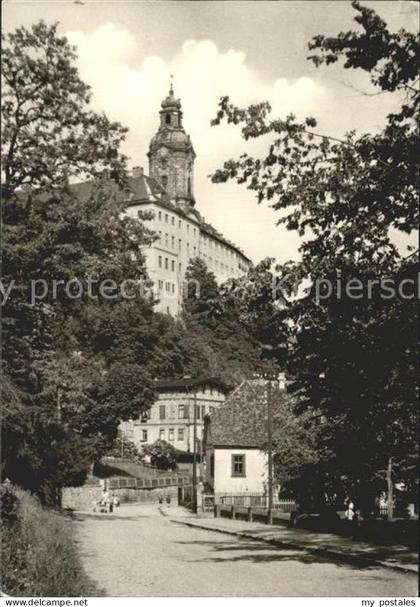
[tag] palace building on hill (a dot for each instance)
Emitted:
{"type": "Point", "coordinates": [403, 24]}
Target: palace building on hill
{"type": "Point", "coordinates": [168, 193]}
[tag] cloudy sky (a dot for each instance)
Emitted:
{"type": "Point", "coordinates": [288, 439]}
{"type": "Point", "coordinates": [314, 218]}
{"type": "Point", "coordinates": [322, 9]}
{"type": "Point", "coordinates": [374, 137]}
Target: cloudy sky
{"type": "Point", "coordinates": [251, 51]}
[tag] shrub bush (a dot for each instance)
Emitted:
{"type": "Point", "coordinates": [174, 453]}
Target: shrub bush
{"type": "Point", "coordinates": [39, 556]}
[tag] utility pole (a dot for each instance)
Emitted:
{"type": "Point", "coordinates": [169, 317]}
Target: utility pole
{"type": "Point", "coordinates": [270, 453]}
{"type": "Point", "coordinates": [194, 478]}
{"type": "Point", "coordinates": [59, 406]}
{"type": "Point", "coordinates": [390, 496]}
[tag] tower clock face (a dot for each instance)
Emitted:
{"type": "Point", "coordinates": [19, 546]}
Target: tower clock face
{"type": "Point", "coordinates": [163, 152]}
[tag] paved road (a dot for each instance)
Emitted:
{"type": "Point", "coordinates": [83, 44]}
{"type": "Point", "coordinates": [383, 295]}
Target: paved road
{"type": "Point", "coordinates": [138, 552]}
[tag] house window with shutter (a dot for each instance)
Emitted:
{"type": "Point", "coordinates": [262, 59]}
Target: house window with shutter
{"type": "Point", "coordinates": [238, 465]}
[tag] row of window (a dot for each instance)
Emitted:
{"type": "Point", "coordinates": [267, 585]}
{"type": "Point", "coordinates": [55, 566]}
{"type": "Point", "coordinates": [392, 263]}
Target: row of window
{"type": "Point", "coordinates": [172, 243]}
{"type": "Point", "coordinates": [206, 240]}
{"type": "Point", "coordinates": [184, 411]}
{"type": "Point", "coordinates": [169, 241]}
{"type": "Point", "coordinates": [170, 219]}
{"type": "Point", "coordinates": [218, 246]}
{"type": "Point", "coordinates": [162, 435]}
{"type": "Point", "coordinates": [170, 287]}
{"type": "Point", "coordinates": [217, 264]}
{"type": "Point", "coordinates": [164, 262]}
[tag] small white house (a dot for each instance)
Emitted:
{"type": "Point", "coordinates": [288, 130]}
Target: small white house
{"type": "Point", "coordinates": [235, 437]}
{"type": "Point", "coordinates": [237, 470]}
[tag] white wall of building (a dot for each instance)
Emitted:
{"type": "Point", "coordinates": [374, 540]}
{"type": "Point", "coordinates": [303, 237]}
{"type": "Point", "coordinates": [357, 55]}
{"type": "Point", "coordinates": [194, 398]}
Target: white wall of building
{"type": "Point", "coordinates": [255, 478]}
{"type": "Point", "coordinates": [180, 240]}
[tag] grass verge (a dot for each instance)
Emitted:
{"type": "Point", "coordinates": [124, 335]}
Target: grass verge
{"type": "Point", "coordinates": [38, 553]}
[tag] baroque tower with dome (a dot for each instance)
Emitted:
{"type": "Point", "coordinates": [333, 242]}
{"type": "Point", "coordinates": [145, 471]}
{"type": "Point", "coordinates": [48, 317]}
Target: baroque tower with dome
{"type": "Point", "coordinates": [171, 154]}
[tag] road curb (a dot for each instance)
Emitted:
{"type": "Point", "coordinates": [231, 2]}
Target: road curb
{"type": "Point", "coordinates": [326, 552]}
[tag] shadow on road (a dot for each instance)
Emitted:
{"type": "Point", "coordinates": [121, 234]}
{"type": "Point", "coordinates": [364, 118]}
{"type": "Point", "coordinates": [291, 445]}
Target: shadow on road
{"type": "Point", "coordinates": [252, 551]}
{"type": "Point", "coordinates": [82, 516]}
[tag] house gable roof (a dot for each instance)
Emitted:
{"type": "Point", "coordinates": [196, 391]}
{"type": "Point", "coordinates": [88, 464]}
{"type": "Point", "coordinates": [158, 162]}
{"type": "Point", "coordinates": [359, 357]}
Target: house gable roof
{"type": "Point", "coordinates": [241, 420]}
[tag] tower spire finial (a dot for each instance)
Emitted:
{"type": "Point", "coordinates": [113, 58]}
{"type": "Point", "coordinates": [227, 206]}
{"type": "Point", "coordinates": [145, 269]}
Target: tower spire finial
{"type": "Point", "coordinates": [171, 88]}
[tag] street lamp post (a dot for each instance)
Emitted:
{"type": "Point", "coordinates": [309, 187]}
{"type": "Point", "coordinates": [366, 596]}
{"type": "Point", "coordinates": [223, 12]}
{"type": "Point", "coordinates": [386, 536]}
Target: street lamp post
{"type": "Point", "coordinates": [194, 478]}
{"type": "Point", "coordinates": [270, 454]}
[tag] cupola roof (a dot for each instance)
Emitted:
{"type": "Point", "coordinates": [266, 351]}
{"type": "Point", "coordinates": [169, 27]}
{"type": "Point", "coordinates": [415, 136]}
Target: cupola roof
{"type": "Point", "coordinates": [170, 101]}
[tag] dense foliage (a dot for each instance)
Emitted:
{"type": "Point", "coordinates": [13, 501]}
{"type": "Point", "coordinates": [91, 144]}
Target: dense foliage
{"type": "Point", "coordinates": [63, 404]}
{"type": "Point", "coordinates": [227, 344]}
{"type": "Point", "coordinates": [162, 455]}
{"type": "Point", "coordinates": [351, 353]}
{"type": "Point", "coordinates": [124, 448]}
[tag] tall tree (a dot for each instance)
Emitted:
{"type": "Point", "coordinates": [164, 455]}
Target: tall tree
{"type": "Point", "coordinates": [216, 330]}
{"type": "Point", "coordinates": [343, 197]}
{"type": "Point", "coordinates": [60, 241]}
{"type": "Point", "coordinates": [50, 133]}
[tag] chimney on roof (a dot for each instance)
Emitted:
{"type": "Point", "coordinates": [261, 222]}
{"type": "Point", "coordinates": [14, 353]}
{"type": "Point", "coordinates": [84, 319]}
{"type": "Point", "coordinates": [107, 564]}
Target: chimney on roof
{"type": "Point", "coordinates": [137, 171]}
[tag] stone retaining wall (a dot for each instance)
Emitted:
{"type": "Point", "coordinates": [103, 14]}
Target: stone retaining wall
{"type": "Point", "coordinates": [82, 498]}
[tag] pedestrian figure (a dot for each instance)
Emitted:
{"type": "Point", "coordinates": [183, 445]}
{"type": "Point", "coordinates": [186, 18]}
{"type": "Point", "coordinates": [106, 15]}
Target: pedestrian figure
{"type": "Point", "coordinates": [168, 500]}
{"type": "Point", "coordinates": [104, 497]}
{"type": "Point", "coordinates": [350, 511]}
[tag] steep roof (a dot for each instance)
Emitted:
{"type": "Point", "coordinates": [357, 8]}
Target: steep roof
{"type": "Point", "coordinates": [241, 420]}
{"type": "Point", "coordinates": [187, 382]}
{"type": "Point", "coordinates": [143, 189]}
